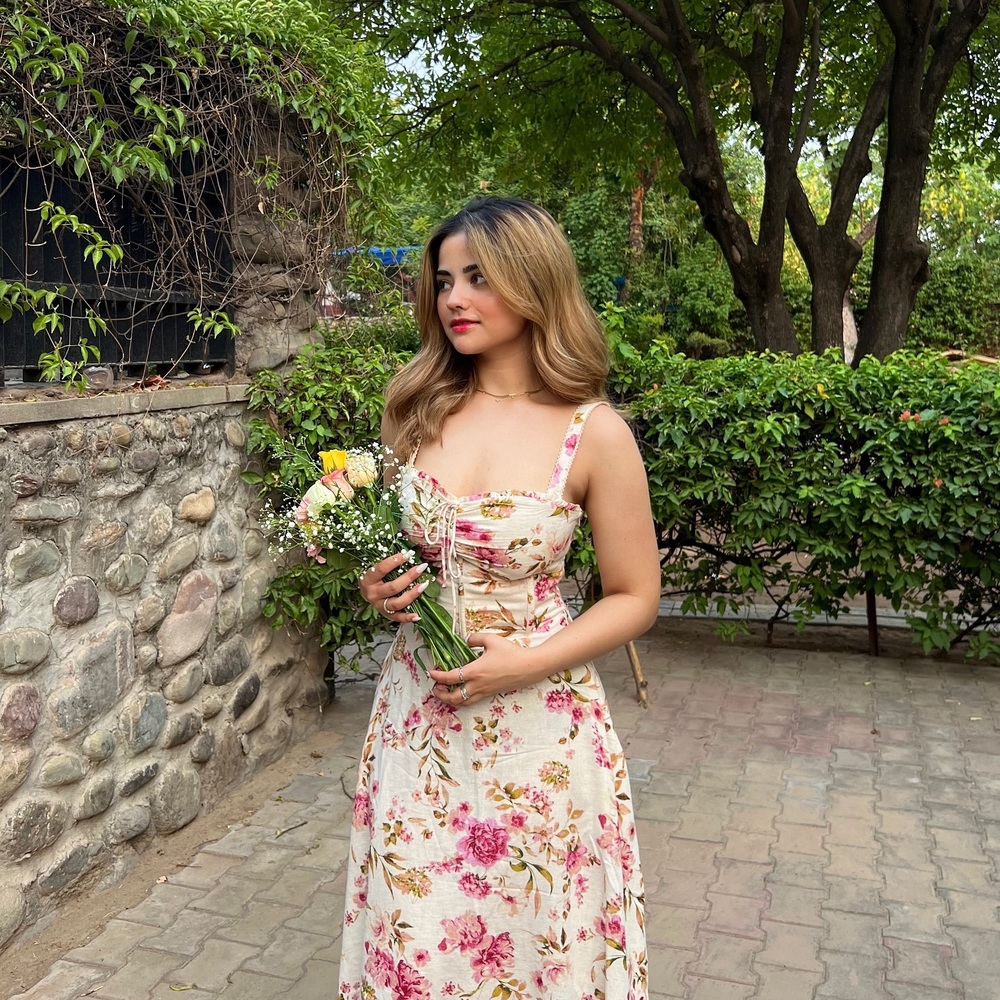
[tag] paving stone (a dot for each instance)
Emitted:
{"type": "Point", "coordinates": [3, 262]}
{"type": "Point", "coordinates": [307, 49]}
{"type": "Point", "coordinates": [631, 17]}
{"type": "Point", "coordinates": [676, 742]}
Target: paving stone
{"type": "Point", "coordinates": [255, 986]}
{"type": "Point", "coordinates": [794, 905]}
{"type": "Point", "coordinates": [295, 885]}
{"type": "Point", "coordinates": [260, 921]}
{"type": "Point", "coordinates": [667, 967]}
{"type": "Point", "coordinates": [908, 885]}
{"type": "Point", "coordinates": [911, 991]}
{"type": "Point", "coordinates": [162, 905]}
{"type": "Point", "coordinates": [973, 910]}
{"type": "Point", "coordinates": [851, 977]}
{"type": "Point", "coordinates": [957, 844]}
{"type": "Point", "coordinates": [204, 870]}
{"type": "Point", "coordinates": [857, 933]}
{"type": "Point", "coordinates": [915, 922]}
{"type": "Point", "coordinates": [747, 846]}
{"type": "Point", "coordinates": [785, 984]}
{"type": "Point", "coordinates": [737, 915]}
{"type": "Point", "coordinates": [798, 839]}
{"type": "Point", "coordinates": [230, 895]}
{"type": "Point", "coordinates": [856, 862]}
{"type": "Point", "coordinates": [140, 974]}
{"type": "Point", "coordinates": [921, 964]}
{"type": "Point", "coordinates": [716, 989]}
{"type": "Point", "coordinates": [187, 933]}
{"type": "Point", "coordinates": [240, 842]}
{"type": "Point", "coordinates": [805, 870]}
{"type": "Point", "coordinates": [725, 956]}
{"type": "Point", "coordinates": [679, 887]}
{"type": "Point", "coordinates": [977, 962]}
{"type": "Point", "coordinates": [65, 981]}
{"type": "Point", "coordinates": [674, 926]}
{"type": "Point", "coordinates": [112, 946]}
{"type": "Point", "coordinates": [742, 878]}
{"type": "Point", "coordinates": [211, 966]}
{"type": "Point", "coordinates": [792, 946]}
{"type": "Point", "coordinates": [287, 953]}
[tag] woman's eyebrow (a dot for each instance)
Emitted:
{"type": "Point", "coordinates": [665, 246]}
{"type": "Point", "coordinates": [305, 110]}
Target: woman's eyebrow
{"type": "Point", "coordinates": [468, 269]}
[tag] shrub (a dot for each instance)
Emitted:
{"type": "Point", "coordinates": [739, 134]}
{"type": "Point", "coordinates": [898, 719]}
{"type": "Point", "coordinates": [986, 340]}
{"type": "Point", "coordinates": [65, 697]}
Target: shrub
{"type": "Point", "coordinates": [332, 398]}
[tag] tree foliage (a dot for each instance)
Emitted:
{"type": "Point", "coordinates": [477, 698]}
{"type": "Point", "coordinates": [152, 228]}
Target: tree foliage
{"type": "Point", "coordinates": [627, 83]}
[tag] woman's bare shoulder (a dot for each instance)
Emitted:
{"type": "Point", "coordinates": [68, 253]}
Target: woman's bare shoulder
{"type": "Point", "coordinates": [607, 428]}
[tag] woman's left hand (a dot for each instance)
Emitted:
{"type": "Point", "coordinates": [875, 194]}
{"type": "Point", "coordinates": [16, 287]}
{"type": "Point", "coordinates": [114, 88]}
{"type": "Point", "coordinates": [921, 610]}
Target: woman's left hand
{"type": "Point", "coordinates": [502, 666]}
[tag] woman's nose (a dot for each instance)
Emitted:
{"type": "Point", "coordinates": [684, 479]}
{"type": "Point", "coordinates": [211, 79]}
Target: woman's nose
{"type": "Point", "coordinates": [456, 297]}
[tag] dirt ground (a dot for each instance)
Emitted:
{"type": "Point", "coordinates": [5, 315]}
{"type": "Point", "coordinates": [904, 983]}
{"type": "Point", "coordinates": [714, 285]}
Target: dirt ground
{"type": "Point", "coordinates": [82, 919]}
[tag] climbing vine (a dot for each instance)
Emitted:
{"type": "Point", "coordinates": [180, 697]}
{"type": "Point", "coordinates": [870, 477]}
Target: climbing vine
{"type": "Point", "coordinates": [224, 131]}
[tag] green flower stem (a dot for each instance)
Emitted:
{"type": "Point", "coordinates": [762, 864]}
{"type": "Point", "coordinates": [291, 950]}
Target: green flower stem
{"type": "Point", "coordinates": [449, 650]}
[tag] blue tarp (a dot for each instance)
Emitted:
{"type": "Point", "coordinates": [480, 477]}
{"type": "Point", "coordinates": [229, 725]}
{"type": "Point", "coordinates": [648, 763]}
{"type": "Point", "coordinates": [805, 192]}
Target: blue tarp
{"type": "Point", "coordinates": [388, 256]}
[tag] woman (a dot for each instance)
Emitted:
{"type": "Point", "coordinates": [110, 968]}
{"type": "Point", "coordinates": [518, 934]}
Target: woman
{"type": "Point", "coordinates": [493, 852]}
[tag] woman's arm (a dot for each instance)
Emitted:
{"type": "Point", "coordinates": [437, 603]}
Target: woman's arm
{"type": "Point", "coordinates": [616, 499]}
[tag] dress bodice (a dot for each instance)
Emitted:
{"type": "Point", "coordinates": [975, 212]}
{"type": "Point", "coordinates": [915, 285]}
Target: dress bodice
{"type": "Point", "coordinates": [499, 556]}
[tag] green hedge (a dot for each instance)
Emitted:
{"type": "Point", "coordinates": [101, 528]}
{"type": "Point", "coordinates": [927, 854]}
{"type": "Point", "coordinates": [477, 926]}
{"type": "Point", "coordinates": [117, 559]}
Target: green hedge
{"type": "Point", "coordinates": [796, 480]}
{"type": "Point", "coordinates": [809, 482]}
{"type": "Point", "coordinates": [331, 399]}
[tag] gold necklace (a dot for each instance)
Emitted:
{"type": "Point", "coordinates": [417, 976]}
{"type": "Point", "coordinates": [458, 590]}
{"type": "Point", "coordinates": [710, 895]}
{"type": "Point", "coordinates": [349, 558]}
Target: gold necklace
{"type": "Point", "coordinates": [508, 395]}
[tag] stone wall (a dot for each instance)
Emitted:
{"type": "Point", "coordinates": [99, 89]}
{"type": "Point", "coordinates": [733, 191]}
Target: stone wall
{"type": "Point", "coordinates": [138, 681]}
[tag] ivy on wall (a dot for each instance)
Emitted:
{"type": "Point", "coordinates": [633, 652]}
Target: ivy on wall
{"type": "Point", "coordinates": [216, 120]}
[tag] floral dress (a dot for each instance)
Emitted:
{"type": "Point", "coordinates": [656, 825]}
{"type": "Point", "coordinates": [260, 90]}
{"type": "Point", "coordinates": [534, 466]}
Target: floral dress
{"type": "Point", "coordinates": [493, 848]}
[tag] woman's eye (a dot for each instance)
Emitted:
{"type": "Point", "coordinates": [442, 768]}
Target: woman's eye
{"type": "Point", "coordinates": [478, 279]}
{"type": "Point", "coordinates": [443, 285]}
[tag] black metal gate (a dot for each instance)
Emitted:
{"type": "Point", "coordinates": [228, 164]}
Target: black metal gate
{"type": "Point", "coordinates": [177, 257]}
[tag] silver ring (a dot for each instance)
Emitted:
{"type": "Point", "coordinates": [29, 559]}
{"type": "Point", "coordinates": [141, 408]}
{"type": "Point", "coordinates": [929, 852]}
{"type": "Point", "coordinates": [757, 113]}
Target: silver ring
{"type": "Point", "coordinates": [464, 693]}
{"type": "Point", "coordinates": [461, 675]}
{"type": "Point", "coordinates": [385, 607]}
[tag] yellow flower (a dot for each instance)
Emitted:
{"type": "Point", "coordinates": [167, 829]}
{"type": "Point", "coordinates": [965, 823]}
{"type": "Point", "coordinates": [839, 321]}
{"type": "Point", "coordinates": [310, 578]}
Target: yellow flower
{"type": "Point", "coordinates": [332, 460]}
{"type": "Point", "coordinates": [821, 389]}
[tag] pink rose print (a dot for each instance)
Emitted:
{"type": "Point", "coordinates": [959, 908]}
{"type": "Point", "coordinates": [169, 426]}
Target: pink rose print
{"type": "Point", "coordinates": [492, 557]}
{"type": "Point", "coordinates": [484, 843]}
{"type": "Point", "coordinates": [465, 932]}
{"type": "Point", "coordinates": [410, 984]}
{"type": "Point", "coordinates": [494, 958]}
{"type": "Point", "coordinates": [576, 858]}
{"type": "Point", "coordinates": [379, 966]}
{"type": "Point", "coordinates": [362, 811]}
{"type": "Point", "coordinates": [571, 442]}
{"type": "Point", "coordinates": [545, 587]}
{"type": "Point", "coordinates": [471, 532]}
{"type": "Point", "coordinates": [611, 929]}
{"type": "Point", "coordinates": [475, 886]}
{"type": "Point", "coordinates": [559, 700]}
{"type": "Point", "coordinates": [552, 973]}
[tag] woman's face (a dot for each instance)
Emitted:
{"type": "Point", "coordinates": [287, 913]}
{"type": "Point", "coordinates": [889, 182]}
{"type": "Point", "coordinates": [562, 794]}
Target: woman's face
{"type": "Point", "coordinates": [475, 319]}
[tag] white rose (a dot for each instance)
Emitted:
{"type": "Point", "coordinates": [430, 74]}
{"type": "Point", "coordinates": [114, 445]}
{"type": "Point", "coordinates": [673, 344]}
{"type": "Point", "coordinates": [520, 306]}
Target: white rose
{"type": "Point", "coordinates": [360, 468]}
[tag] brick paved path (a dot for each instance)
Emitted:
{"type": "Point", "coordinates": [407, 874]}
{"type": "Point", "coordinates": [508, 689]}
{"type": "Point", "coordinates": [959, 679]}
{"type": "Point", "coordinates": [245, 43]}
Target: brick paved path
{"type": "Point", "coordinates": [811, 826]}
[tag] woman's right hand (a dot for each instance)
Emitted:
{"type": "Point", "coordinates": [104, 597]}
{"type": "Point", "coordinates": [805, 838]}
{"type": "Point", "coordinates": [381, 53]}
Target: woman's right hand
{"type": "Point", "coordinates": [392, 597]}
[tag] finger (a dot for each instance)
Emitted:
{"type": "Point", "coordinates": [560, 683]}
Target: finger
{"type": "Point", "coordinates": [403, 599]}
{"type": "Point", "coordinates": [385, 566]}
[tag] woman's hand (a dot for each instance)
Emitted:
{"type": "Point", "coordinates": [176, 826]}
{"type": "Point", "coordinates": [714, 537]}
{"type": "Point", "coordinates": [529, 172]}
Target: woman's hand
{"type": "Point", "coordinates": [502, 666]}
{"type": "Point", "coordinates": [392, 597]}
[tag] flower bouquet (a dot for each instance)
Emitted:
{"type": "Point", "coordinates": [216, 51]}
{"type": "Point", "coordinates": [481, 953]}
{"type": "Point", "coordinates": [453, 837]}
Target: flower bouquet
{"type": "Point", "coordinates": [349, 512]}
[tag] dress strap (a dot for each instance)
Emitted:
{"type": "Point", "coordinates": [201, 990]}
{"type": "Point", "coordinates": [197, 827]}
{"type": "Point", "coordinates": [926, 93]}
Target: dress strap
{"type": "Point", "coordinates": [570, 443]}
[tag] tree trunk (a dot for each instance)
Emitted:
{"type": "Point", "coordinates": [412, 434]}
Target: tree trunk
{"type": "Point", "coordinates": [899, 265]}
{"type": "Point", "coordinates": [636, 232]}
{"type": "Point", "coordinates": [927, 49]}
{"type": "Point", "coordinates": [755, 267]}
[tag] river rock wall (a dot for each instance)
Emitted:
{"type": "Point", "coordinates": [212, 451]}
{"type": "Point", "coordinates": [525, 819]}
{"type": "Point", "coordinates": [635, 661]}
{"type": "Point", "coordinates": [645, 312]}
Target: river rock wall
{"type": "Point", "coordinates": [138, 680]}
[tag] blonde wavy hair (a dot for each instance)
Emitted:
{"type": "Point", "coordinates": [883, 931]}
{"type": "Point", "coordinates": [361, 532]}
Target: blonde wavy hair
{"type": "Point", "coordinates": [527, 261]}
